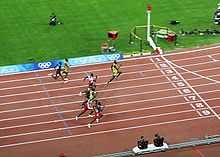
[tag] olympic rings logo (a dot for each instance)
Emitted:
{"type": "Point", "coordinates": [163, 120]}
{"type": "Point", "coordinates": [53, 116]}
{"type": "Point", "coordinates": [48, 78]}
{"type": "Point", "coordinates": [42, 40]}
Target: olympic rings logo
{"type": "Point", "coordinates": [114, 56]}
{"type": "Point", "coordinates": [44, 65]}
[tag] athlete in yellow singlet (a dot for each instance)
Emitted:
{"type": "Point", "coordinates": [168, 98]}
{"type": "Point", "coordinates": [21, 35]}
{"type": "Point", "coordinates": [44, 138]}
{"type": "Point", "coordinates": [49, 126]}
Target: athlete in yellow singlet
{"type": "Point", "coordinates": [116, 72]}
{"type": "Point", "coordinates": [66, 69]}
{"type": "Point", "coordinates": [92, 95]}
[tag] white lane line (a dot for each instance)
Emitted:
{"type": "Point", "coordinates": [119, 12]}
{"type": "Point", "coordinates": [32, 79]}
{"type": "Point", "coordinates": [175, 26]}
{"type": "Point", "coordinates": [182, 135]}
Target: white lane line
{"type": "Point", "coordinates": [102, 123]}
{"type": "Point", "coordinates": [191, 58]}
{"type": "Point", "coordinates": [131, 87]}
{"type": "Point", "coordinates": [194, 73]}
{"type": "Point", "coordinates": [164, 74]}
{"type": "Point", "coordinates": [95, 70]}
{"type": "Point", "coordinates": [62, 96]}
{"type": "Point", "coordinates": [197, 94]}
{"type": "Point", "coordinates": [73, 73]}
{"type": "Point", "coordinates": [75, 80]}
{"type": "Point", "coordinates": [119, 104]}
{"type": "Point", "coordinates": [59, 113]}
{"type": "Point", "coordinates": [213, 59]}
{"type": "Point", "coordinates": [150, 100]}
{"type": "Point", "coordinates": [80, 80]}
{"type": "Point", "coordinates": [139, 58]}
{"type": "Point", "coordinates": [196, 50]}
{"type": "Point", "coordinates": [77, 94]}
{"type": "Point", "coordinates": [105, 131]}
{"type": "Point", "coordinates": [60, 104]}
{"type": "Point", "coordinates": [58, 82]}
{"type": "Point", "coordinates": [81, 86]}
{"type": "Point", "coordinates": [169, 68]}
{"type": "Point", "coordinates": [73, 102]}
{"type": "Point", "coordinates": [199, 64]}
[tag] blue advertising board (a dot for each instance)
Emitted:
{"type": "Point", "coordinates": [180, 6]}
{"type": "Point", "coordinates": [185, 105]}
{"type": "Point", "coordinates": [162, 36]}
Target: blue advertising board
{"type": "Point", "coordinates": [95, 59]}
{"type": "Point", "coordinates": [51, 64]}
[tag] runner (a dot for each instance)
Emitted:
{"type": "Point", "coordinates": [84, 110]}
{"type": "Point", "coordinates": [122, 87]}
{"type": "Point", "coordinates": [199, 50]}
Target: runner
{"type": "Point", "coordinates": [66, 70]}
{"type": "Point", "coordinates": [86, 106]}
{"type": "Point", "coordinates": [116, 72]}
{"type": "Point", "coordinates": [58, 69]}
{"type": "Point", "coordinates": [92, 95]}
{"type": "Point", "coordinates": [98, 108]}
{"type": "Point", "coordinates": [87, 93]}
{"type": "Point", "coordinates": [91, 79]}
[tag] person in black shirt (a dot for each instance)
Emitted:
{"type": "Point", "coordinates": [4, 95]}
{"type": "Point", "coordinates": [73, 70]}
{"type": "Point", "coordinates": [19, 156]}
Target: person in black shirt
{"type": "Point", "coordinates": [53, 20]}
{"type": "Point", "coordinates": [142, 143]}
{"type": "Point", "coordinates": [158, 141]}
{"type": "Point", "coordinates": [97, 109]}
{"type": "Point", "coordinates": [58, 69]}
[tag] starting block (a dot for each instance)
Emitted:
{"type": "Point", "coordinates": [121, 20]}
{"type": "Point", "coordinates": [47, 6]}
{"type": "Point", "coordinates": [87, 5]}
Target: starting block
{"type": "Point", "coordinates": [150, 149]}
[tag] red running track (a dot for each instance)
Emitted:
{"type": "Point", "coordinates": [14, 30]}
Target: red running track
{"type": "Point", "coordinates": [175, 95]}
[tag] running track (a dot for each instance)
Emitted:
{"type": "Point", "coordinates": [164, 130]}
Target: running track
{"type": "Point", "coordinates": [177, 95]}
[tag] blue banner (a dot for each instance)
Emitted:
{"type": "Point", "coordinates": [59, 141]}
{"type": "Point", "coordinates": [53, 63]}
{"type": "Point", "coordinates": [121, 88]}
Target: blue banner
{"type": "Point", "coordinates": [95, 59]}
{"type": "Point", "coordinates": [45, 65]}
{"type": "Point", "coordinates": [51, 64]}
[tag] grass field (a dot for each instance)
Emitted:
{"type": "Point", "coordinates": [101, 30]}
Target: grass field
{"type": "Point", "coordinates": [25, 35]}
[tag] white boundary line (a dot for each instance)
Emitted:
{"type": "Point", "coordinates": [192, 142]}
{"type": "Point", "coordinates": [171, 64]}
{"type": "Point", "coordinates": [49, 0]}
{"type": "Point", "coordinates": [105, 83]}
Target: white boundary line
{"type": "Point", "coordinates": [102, 123]}
{"type": "Point", "coordinates": [213, 59]}
{"type": "Point", "coordinates": [81, 80]}
{"type": "Point", "coordinates": [50, 113]}
{"type": "Point", "coordinates": [59, 104]}
{"type": "Point", "coordinates": [128, 59]}
{"type": "Point", "coordinates": [197, 94]}
{"type": "Point", "coordinates": [119, 104]}
{"type": "Point", "coordinates": [105, 131]}
{"type": "Point", "coordinates": [178, 89]}
{"type": "Point", "coordinates": [65, 88]}
{"type": "Point", "coordinates": [72, 73]}
{"type": "Point", "coordinates": [58, 111]}
{"type": "Point", "coordinates": [25, 79]}
{"type": "Point", "coordinates": [194, 73]}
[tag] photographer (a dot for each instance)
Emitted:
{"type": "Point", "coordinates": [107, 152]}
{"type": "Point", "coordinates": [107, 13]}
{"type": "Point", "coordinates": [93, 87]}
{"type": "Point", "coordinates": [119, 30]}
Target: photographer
{"type": "Point", "coordinates": [142, 143]}
{"type": "Point", "coordinates": [53, 20]}
{"type": "Point", "coordinates": [158, 141]}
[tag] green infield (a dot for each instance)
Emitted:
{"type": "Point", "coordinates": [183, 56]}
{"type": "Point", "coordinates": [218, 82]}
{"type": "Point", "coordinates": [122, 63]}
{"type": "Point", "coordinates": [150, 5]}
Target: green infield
{"type": "Point", "coordinates": [25, 35]}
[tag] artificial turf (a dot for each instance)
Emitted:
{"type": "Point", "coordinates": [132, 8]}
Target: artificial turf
{"type": "Point", "coordinates": [25, 35]}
